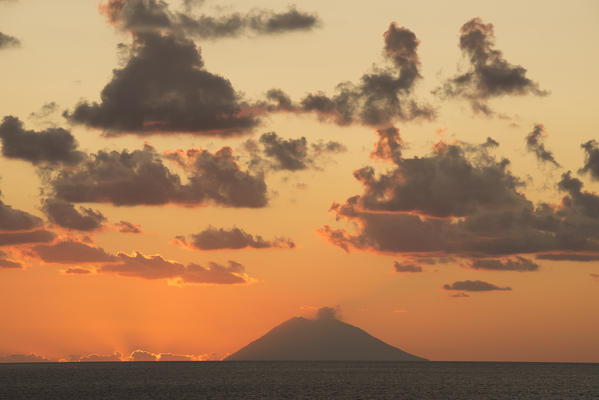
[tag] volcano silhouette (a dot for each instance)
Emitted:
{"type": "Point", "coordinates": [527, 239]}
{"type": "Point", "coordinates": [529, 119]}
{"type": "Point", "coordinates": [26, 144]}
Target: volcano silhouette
{"type": "Point", "coordinates": [322, 339]}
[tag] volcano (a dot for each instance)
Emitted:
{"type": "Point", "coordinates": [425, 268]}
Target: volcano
{"type": "Point", "coordinates": [321, 339]}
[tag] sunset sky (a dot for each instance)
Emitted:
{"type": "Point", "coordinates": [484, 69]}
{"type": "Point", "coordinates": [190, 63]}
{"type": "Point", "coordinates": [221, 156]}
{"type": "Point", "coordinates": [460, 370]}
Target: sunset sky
{"type": "Point", "coordinates": [178, 177]}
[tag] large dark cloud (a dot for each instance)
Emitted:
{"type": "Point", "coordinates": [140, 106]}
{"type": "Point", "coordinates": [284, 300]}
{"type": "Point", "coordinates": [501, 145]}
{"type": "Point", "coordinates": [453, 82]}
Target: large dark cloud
{"type": "Point", "coordinates": [70, 252]}
{"type": "Point", "coordinates": [534, 144]}
{"type": "Point", "coordinates": [141, 16]}
{"type": "Point", "coordinates": [53, 145]}
{"type": "Point", "coordinates": [140, 177]}
{"type": "Point", "coordinates": [379, 98]}
{"type": "Point", "coordinates": [213, 238]}
{"type": "Point", "coordinates": [7, 41]}
{"type": "Point", "coordinates": [66, 215]}
{"type": "Point", "coordinates": [517, 264]}
{"type": "Point", "coordinates": [29, 237]}
{"type": "Point", "coordinates": [272, 152]}
{"type": "Point", "coordinates": [462, 202]}
{"type": "Point", "coordinates": [591, 162]}
{"type": "Point", "coordinates": [474, 286]}
{"type": "Point", "coordinates": [490, 74]}
{"type": "Point", "coordinates": [156, 267]}
{"type": "Point", "coordinates": [164, 88]}
{"type": "Point", "coordinates": [12, 219]}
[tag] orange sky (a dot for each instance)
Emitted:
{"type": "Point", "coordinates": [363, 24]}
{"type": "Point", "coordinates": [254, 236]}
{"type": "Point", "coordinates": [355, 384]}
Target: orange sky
{"type": "Point", "coordinates": [154, 210]}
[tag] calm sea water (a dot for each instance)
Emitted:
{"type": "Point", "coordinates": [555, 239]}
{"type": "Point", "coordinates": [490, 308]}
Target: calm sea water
{"type": "Point", "coordinates": [299, 380]}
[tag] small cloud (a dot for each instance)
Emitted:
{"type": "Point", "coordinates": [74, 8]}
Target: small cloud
{"type": "Point", "coordinates": [328, 313]}
{"type": "Point", "coordinates": [128, 227]}
{"type": "Point", "coordinates": [407, 267]}
{"type": "Point", "coordinates": [77, 271]}
{"type": "Point", "coordinates": [474, 286]}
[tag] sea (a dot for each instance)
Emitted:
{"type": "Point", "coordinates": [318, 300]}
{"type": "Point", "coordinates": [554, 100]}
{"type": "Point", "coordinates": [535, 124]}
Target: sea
{"type": "Point", "coordinates": [299, 380]}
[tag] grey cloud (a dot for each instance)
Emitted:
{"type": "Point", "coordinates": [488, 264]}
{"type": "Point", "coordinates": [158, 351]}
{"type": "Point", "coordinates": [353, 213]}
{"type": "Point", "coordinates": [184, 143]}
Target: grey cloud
{"type": "Point", "coordinates": [518, 264]}
{"type": "Point", "coordinates": [45, 111]}
{"type": "Point", "coordinates": [12, 219]}
{"type": "Point", "coordinates": [53, 145]}
{"type": "Point", "coordinates": [128, 227]}
{"type": "Point", "coordinates": [474, 286]}
{"type": "Point", "coordinates": [7, 41]}
{"type": "Point", "coordinates": [218, 238]}
{"type": "Point", "coordinates": [215, 273]}
{"type": "Point", "coordinates": [568, 257]}
{"type": "Point", "coordinates": [6, 263]}
{"type": "Point", "coordinates": [534, 144]}
{"type": "Point", "coordinates": [19, 238]}
{"type": "Point", "coordinates": [23, 358]}
{"type": "Point", "coordinates": [77, 271]}
{"type": "Point", "coordinates": [66, 215]}
{"type": "Point", "coordinates": [328, 313]}
{"type": "Point", "coordinates": [70, 252]}
{"type": "Point", "coordinates": [141, 178]}
{"type": "Point", "coordinates": [276, 153]}
{"type": "Point", "coordinates": [490, 74]}
{"type": "Point", "coordinates": [406, 267]}
{"type": "Point", "coordinates": [98, 358]}
{"type": "Point", "coordinates": [164, 88]}
{"type": "Point", "coordinates": [462, 202]}
{"type": "Point", "coordinates": [591, 162]}
{"type": "Point", "coordinates": [142, 16]}
{"type": "Point", "coordinates": [142, 355]}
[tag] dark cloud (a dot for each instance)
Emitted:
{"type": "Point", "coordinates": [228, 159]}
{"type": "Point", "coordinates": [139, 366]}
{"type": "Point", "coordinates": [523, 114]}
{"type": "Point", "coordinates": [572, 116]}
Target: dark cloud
{"type": "Point", "coordinates": [214, 273]}
{"type": "Point", "coordinates": [12, 219]}
{"type": "Point", "coordinates": [389, 144]}
{"type": "Point", "coordinates": [6, 263]}
{"type": "Point", "coordinates": [142, 355]}
{"type": "Point", "coordinates": [98, 358]}
{"type": "Point", "coordinates": [518, 264]}
{"type": "Point", "coordinates": [18, 238]}
{"type": "Point", "coordinates": [142, 16]}
{"type": "Point", "coordinates": [534, 144]}
{"type": "Point", "coordinates": [156, 267]}
{"type": "Point", "coordinates": [53, 145]}
{"type": "Point", "coordinates": [461, 202]}
{"type": "Point", "coordinates": [328, 313]}
{"type": "Point", "coordinates": [45, 111]}
{"type": "Point", "coordinates": [128, 227]}
{"type": "Point", "coordinates": [379, 98]}
{"type": "Point", "coordinates": [459, 295]}
{"type": "Point", "coordinates": [164, 88]}
{"type": "Point", "coordinates": [175, 357]}
{"type": "Point", "coordinates": [568, 257]}
{"type": "Point", "coordinates": [591, 162]}
{"type": "Point", "coordinates": [490, 74]}
{"type": "Point", "coordinates": [23, 358]}
{"type": "Point", "coordinates": [66, 215]}
{"type": "Point", "coordinates": [474, 286]}
{"type": "Point", "coordinates": [141, 178]}
{"type": "Point", "coordinates": [407, 267]}
{"type": "Point", "coordinates": [273, 152]}
{"type": "Point", "coordinates": [70, 252]}
{"type": "Point", "coordinates": [7, 41]}
{"type": "Point", "coordinates": [77, 271]}
{"type": "Point", "coordinates": [213, 238]}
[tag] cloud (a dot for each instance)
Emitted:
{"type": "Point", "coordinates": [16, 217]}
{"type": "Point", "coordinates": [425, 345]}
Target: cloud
{"type": "Point", "coordinates": [53, 145]}
{"type": "Point", "coordinates": [70, 252]}
{"type": "Point", "coordinates": [518, 264]}
{"type": "Point", "coordinates": [77, 271]}
{"type": "Point", "coordinates": [164, 88]}
{"type": "Point", "coordinates": [7, 41]}
{"type": "Point", "coordinates": [490, 74]}
{"type": "Point", "coordinates": [534, 144]}
{"type": "Point", "coordinates": [273, 152]}
{"type": "Point", "coordinates": [474, 286]}
{"type": "Point", "coordinates": [591, 162]}
{"type": "Point", "coordinates": [140, 178]}
{"type": "Point", "coordinates": [156, 267]}
{"type": "Point", "coordinates": [23, 358]}
{"type": "Point", "coordinates": [98, 358]}
{"type": "Point", "coordinates": [45, 111]}
{"type": "Point", "coordinates": [568, 257]}
{"type": "Point", "coordinates": [143, 16]}
{"type": "Point", "coordinates": [328, 313]}
{"type": "Point", "coordinates": [128, 227]}
{"type": "Point", "coordinates": [142, 355]}
{"type": "Point", "coordinates": [459, 295]}
{"type": "Point", "coordinates": [12, 219]}
{"type": "Point", "coordinates": [406, 267]}
{"type": "Point", "coordinates": [379, 98]}
{"type": "Point", "coordinates": [213, 238]}
{"type": "Point", "coordinates": [461, 202]}
{"type": "Point", "coordinates": [64, 214]}
{"type": "Point", "coordinates": [18, 238]}
{"type": "Point", "coordinates": [6, 263]}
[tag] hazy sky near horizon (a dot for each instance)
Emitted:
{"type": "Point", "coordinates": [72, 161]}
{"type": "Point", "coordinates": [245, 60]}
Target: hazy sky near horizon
{"type": "Point", "coordinates": [429, 167]}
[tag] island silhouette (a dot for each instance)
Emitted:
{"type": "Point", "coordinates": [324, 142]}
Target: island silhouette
{"type": "Point", "coordinates": [325, 338]}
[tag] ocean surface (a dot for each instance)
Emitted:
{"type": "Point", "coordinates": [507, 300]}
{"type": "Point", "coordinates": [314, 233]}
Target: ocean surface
{"type": "Point", "coordinates": [299, 380]}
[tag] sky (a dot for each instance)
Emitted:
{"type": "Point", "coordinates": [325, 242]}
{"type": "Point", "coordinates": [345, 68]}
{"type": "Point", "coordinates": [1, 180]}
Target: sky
{"type": "Point", "coordinates": [178, 177]}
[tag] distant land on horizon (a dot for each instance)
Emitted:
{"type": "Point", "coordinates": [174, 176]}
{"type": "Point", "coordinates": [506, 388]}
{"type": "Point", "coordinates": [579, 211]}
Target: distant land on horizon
{"type": "Point", "coordinates": [325, 338]}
